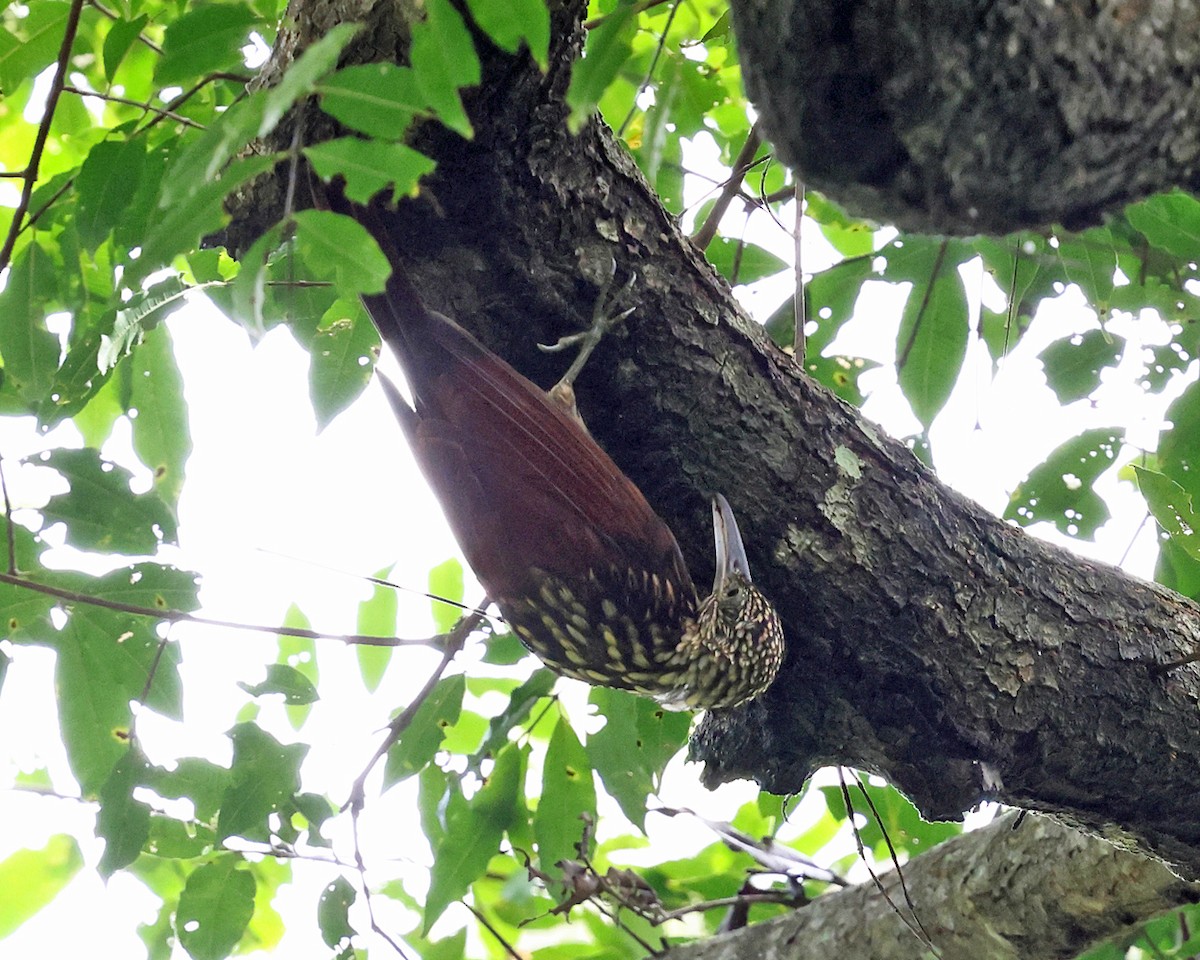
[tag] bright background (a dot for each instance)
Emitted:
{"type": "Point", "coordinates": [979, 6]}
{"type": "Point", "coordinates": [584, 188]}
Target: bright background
{"type": "Point", "coordinates": [264, 487]}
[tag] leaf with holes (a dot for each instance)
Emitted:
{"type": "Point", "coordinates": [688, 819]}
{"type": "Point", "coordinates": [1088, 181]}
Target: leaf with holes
{"type": "Point", "coordinates": [214, 908]}
{"type": "Point", "coordinates": [1173, 508]}
{"type": "Point", "coordinates": [421, 739]}
{"type": "Point", "coordinates": [568, 793]}
{"type": "Point", "coordinates": [633, 746]}
{"type": "Point", "coordinates": [1074, 364]}
{"type": "Point", "coordinates": [1060, 490]}
{"type": "Point", "coordinates": [473, 832]}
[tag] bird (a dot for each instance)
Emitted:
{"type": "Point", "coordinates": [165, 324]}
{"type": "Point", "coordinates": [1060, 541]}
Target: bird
{"type": "Point", "coordinates": [582, 569]}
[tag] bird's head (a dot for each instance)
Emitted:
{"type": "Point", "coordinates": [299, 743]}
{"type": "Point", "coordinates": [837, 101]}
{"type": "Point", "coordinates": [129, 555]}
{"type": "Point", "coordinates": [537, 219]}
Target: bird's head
{"type": "Point", "coordinates": [737, 643]}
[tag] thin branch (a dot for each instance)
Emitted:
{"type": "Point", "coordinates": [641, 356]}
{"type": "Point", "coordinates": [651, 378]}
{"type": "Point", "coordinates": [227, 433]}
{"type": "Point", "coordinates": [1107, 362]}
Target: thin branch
{"type": "Point", "coordinates": [361, 866]}
{"type": "Point", "coordinates": [799, 303]}
{"type": "Point", "coordinates": [741, 165]}
{"type": "Point", "coordinates": [9, 532]}
{"type": "Point", "coordinates": [176, 102]}
{"type": "Point", "coordinates": [99, 7]}
{"type": "Point", "coordinates": [742, 899]}
{"type": "Point", "coordinates": [180, 616]}
{"type": "Point", "coordinates": [662, 42]}
{"type": "Point", "coordinates": [453, 643]}
{"type": "Point", "coordinates": [935, 270]}
{"type": "Point", "coordinates": [887, 838]}
{"type": "Point", "coordinates": [508, 947]}
{"type": "Point", "coordinates": [43, 132]}
{"type": "Point", "coordinates": [147, 107]}
{"type": "Point", "coordinates": [639, 7]}
{"type": "Point", "coordinates": [862, 855]}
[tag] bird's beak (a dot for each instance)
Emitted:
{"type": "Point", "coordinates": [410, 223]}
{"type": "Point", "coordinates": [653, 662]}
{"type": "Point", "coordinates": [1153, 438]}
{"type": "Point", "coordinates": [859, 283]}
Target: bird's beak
{"type": "Point", "coordinates": [731, 554]}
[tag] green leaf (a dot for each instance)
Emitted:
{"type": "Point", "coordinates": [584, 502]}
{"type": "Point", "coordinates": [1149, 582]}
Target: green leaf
{"type": "Point", "coordinates": [369, 166]}
{"type": "Point", "coordinates": [741, 262]}
{"type": "Point", "coordinates": [295, 687]}
{"type": "Point", "coordinates": [123, 822]}
{"type": "Point", "coordinates": [104, 660]}
{"type": "Point", "coordinates": [605, 52]}
{"type": "Point", "coordinates": [932, 340]}
{"type": "Point", "coordinates": [1173, 508]}
{"type": "Point", "coordinates": [299, 653]}
{"type": "Point", "coordinates": [1073, 365]}
{"type": "Point", "coordinates": [631, 749]}
{"type": "Point", "coordinates": [106, 184]}
{"type": "Point", "coordinates": [520, 703]}
{"type": "Point", "coordinates": [152, 585]}
{"type": "Point", "coordinates": [31, 43]}
{"type": "Point", "coordinates": [1170, 221]}
{"type": "Point", "coordinates": [444, 60]}
{"type": "Point", "coordinates": [29, 351]}
{"type": "Point", "coordinates": [1060, 490]}
{"type": "Point", "coordinates": [473, 834]}
{"type": "Point", "coordinates": [31, 879]}
{"type": "Point", "coordinates": [214, 909]}
{"type": "Point", "coordinates": [162, 435]}
{"type": "Point", "coordinates": [206, 39]}
{"type": "Point", "coordinates": [515, 22]}
{"type": "Point", "coordinates": [503, 649]}
{"type": "Point", "coordinates": [1179, 447]}
{"type": "Point", "coordinates": [446, 582]}
{"type": "Point", "coordinates": [121, 36]}
{"type": "Point", "coordinates": [336, 246]}
{"type": "Point", "coordinates": [909, 832]}
{"type": "Point", "coordinates": [343, 358]}
{"type": "Point", "coordinates": [196, 214]}
{"type": "Point", "coordinates": [301, 78]}
{"type": "Point", "coordinates": [25, 613]}
{"type": "Point", "coordinates": [333, 912]}
{"type": "Point", "coordinates": [420, 741]}
{"type": "Point", "coordinates": [378, 99]}
{"type": "Point", "coordinates": [567, 794]}
{"type": "Point", "coordinates": [1089, 260]}
{"type": "Point", "coordinates": [263, 779]}
{"type": "Point", "coordinates": [100, 511]}
{"type": "Point", "coordinates": [201, 781]}
{"type": "Point", "coordinates": [376, 618]}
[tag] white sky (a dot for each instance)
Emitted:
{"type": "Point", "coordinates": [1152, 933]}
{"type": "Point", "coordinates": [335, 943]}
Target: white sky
{"type": "Point", "coordinates": [349, 498]}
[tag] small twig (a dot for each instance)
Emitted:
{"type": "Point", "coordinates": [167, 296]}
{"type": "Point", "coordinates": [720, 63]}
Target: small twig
{"type": "Point", "coordinates": [361, 866]}
{"type": "Point", "coordinates": [380, 581]}
{"type": "Point", "coordinates": [147, 107]}
{"type": "Point", "coordinates": [96, 5]}
{"type": "Point", "coordinates": [43, 131]}
{"type": "Point", "coordinates": [895, 861]}
{"type": "Point", "coordinates": [766, 896]}
{"type": "Point", "coordinates": [180, 616]}
{"type": "Point", "coordinates": [862, 855]}
{"type": "Point", "coordinates": [507, 947]}
{"type": "Point", "coordinates": [741, 166]}
{"type": "Point", "coordinates": [9, 533]}
{"type": "Point", "coordinates": [662, 42]}
{"type": "Point", "coordinates": [640, 7]}
{"type": "Point", "coordinates": [454, 642]}
{"type": "Point", "coordinates": [799, 304]}
{"type": "Point", "coordinates": [935, 270]}
{"type": "Point", "coordinates": [176, 102]}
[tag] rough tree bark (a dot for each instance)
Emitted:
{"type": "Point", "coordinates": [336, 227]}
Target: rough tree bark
{"type": "Point", "coordinates": [979, 116]}
{"type": "Point", "coordinates": [1038, 891]}
{"type": "Point", "coordinates": [927, 640]}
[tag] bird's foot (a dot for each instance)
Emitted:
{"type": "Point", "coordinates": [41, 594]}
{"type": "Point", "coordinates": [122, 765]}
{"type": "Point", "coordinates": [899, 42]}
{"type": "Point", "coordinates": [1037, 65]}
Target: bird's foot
{"type": "Point", "coordinates": [563, 392]}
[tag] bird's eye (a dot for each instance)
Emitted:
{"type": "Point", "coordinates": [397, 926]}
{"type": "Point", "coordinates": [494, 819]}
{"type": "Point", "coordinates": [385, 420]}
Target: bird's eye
{"type": "Point", "coordinates": [733, 592]}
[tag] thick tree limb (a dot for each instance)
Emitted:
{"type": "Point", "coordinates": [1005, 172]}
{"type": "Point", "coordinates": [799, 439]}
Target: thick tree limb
{"type": "Point", "coordinates": [1038, 892]}
{"type": "Point", "coordinates": [928, 641]}
{"type": "Point", "coordinates": [982, 116]}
